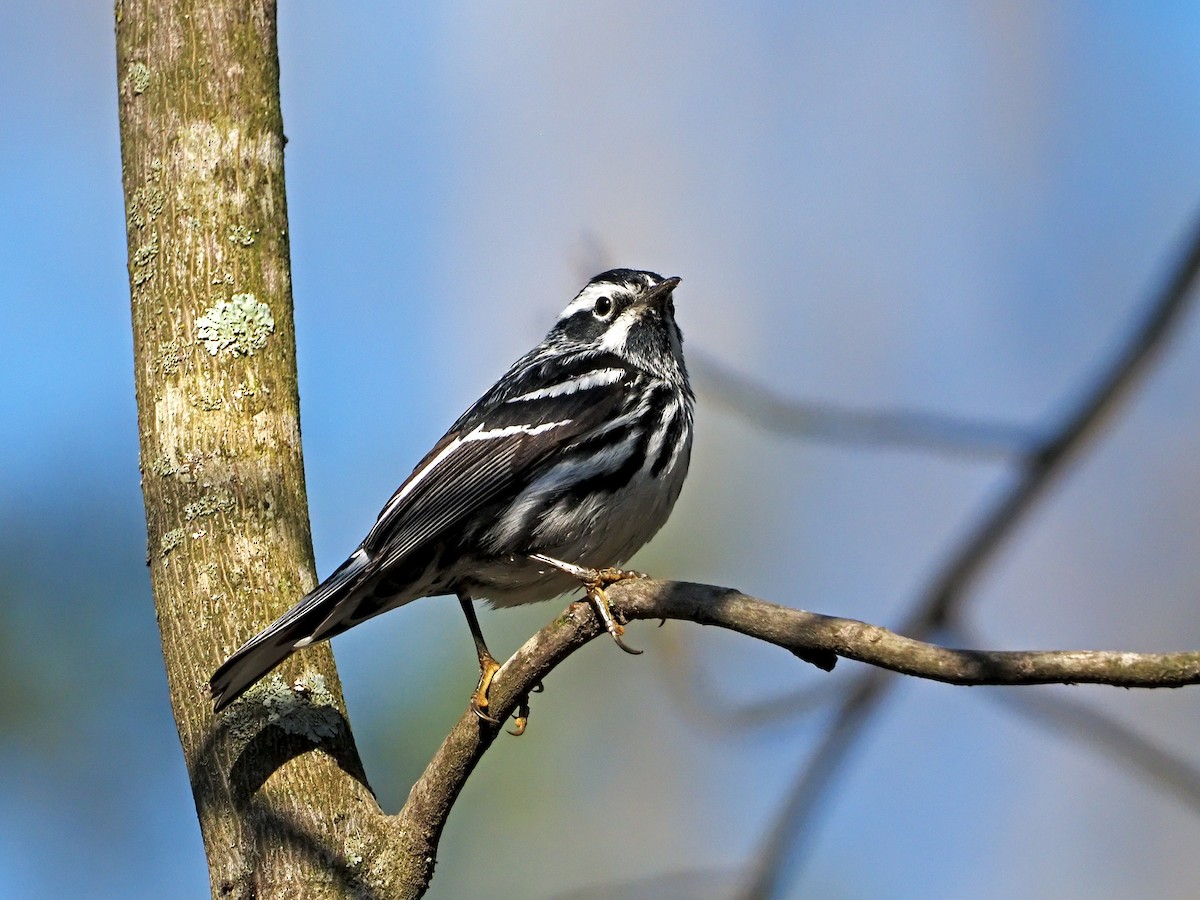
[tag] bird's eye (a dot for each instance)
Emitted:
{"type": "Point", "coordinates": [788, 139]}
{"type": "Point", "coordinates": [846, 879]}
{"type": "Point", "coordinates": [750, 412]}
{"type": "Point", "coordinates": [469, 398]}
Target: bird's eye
{"type": "Point", "coordinates": [603, 307]}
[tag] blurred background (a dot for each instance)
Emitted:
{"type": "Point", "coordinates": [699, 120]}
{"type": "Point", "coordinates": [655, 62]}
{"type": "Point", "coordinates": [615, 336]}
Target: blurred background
{"type": "Point", "coordinates": [953, 207]}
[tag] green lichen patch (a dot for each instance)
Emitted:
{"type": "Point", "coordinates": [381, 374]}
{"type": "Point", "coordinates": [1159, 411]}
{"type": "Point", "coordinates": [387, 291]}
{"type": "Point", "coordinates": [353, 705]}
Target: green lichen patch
{"type": "Point", "coordinates": [236, 573]}
{"type": "Point", "coordinates": [145, 205]}
{"type": "Point", "coordinates": [143, 261]}
{"type": "Point", "coordinates": [354, 849]}
{"type": "Point", "coordinates": [139, 77]}
{"type": "Point", "coordinates": [163, 466]}
{"type": "Point", "coordinates": [306, 708]}
{"type": "Point", "coordinates": [312, 684]}
{"type": "Point", "coordinates": [240, 234]}
{"type": "Point", "coordinates": [208, 401]}
{"type": "Point", "coordinates": [152, 200]}
{"type": "Point", "coordinates": [209, 504]}
{"type": "Point", "coordinates": [244, 391]}
{"type": "Point", "coordinates": [238, 326]}
{"type": "Point", "coordinates": [169, 355]}
{"type": "Point", "coordinates": [170, 541]}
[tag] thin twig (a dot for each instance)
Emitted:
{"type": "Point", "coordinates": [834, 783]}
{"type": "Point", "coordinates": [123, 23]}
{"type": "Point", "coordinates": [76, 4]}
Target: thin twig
{"type": "Point", "coordinates": [942, 600]}
{"type": "Point", "coordinates": [760, 405]}
{"type": "Point", "coordinates": [782, 851]}
{"type": "Point", "coordinates": [911, 429]}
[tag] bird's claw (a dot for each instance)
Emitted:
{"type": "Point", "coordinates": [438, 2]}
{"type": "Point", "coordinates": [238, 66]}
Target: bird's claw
{"type": "Point", "coordinates": [632, 651]}
{"type": "Point", "coordinates": [488, 667]}
{"type": "Point", "coordinates": [612, 575]}
{"type": "Point", "coordinates": [616, 630]}
{"type": "Point", "coordinates": [594, 582]}
{"type": "Point", "coordinates": [521, 719]}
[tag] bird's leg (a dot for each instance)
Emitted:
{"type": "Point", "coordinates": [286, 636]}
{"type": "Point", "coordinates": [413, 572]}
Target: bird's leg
{"type": "Point", "coordinates": [488, 667]}
{"type": "Point", "coordinates": [594, 582]}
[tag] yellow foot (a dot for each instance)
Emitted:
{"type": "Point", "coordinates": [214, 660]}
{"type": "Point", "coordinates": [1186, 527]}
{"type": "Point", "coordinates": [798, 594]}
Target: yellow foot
{"type": "Point", "coordinates": [521, 719]}
{"type": "Point", "coordinates": [612, 576]}
{"type": "Point", "coordinates": [521, 716]}
{"type": "Point", "coordinates": [594, 582]}
{"type": "Point", "coordinates": [488, 667]}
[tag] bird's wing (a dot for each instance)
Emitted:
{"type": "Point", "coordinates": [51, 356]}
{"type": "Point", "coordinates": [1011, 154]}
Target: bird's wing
{"type": "Point", "coordinates": [496, 448]}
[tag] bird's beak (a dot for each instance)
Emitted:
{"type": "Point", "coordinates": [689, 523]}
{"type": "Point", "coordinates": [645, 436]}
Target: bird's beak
{"type": "Point", "coordinates": [660, 292]}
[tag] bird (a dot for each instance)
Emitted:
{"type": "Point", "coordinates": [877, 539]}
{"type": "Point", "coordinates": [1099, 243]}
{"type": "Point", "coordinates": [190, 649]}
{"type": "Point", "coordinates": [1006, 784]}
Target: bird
{"type": "Point", "coordinates": [553, 478]}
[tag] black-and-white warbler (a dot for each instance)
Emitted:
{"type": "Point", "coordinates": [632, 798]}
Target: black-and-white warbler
{"type": "Point", "coordinates": [567, 465]}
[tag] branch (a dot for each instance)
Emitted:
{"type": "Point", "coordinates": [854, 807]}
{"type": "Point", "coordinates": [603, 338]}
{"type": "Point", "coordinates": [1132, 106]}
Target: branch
{"type": "Point", "coordinates": [1098, 731]}
{"type": "Point", "coordinates": [1047, 462]}
{"type": "Point", "coordinates": [758, 404]}
{"type": "Point", "coordinates": [945, 595]}
{"type": "Point", "coordinates": [808, 635]}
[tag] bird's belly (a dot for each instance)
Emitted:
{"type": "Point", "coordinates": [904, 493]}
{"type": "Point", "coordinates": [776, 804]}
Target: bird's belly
{"type": "Point", "coordinates": [597, 532]}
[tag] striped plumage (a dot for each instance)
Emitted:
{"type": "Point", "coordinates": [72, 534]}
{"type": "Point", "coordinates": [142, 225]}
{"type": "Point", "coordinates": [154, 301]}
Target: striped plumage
{"type": "Point", "coordinates": [577, 453]}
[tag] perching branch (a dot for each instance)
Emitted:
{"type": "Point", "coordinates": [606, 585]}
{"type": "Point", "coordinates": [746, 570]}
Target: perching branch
{"type": "Point", "coordinates": [806, 634]}
{"type": "Point", "coordinates": [701, 698]}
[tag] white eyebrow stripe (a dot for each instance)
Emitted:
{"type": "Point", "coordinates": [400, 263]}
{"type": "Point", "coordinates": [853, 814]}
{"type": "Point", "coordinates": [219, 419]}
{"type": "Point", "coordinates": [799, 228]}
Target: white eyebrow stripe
{"type": "Point", "coordinates": [580, 303]}
{"type": "Point", "coordinates": [587, 298]}
{"type": "Point", "coordinates": [598, 378]}
{"type": "Point", "coordinates": [480, 435]}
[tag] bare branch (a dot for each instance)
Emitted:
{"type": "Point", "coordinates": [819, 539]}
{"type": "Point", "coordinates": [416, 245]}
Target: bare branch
{"type": "Point", "coordinates": [1096, 730]}
{"type": "Point", "coordinates": [808, 635]}
{"type": "Point", "coordinates": [785, 841]}
{"type": "Point", "coordinates": [1045, 464]}
{"type": "Point", "coordinates": [944, 597]}
{"type": "Point", "coordinates": [932, 432]}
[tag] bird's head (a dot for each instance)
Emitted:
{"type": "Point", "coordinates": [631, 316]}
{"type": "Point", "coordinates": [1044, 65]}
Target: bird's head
{"type": "Point", "coordinates": [631, 314]}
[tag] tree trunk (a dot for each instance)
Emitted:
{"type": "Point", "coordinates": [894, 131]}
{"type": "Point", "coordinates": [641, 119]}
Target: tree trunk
{"type": "Point", "coordinates": [229, 546]}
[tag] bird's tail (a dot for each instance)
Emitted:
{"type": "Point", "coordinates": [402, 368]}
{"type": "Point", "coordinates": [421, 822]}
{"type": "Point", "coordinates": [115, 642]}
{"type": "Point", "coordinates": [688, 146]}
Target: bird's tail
{"type": "Point", "coordinates": [303, 624]}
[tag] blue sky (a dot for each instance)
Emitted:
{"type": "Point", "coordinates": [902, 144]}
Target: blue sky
{"type": "Point", "coordinates": [956, 207]}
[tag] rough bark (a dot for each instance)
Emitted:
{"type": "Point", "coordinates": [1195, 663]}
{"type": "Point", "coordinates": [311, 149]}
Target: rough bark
{"type": "Point", "coordinates": [218, 412]}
